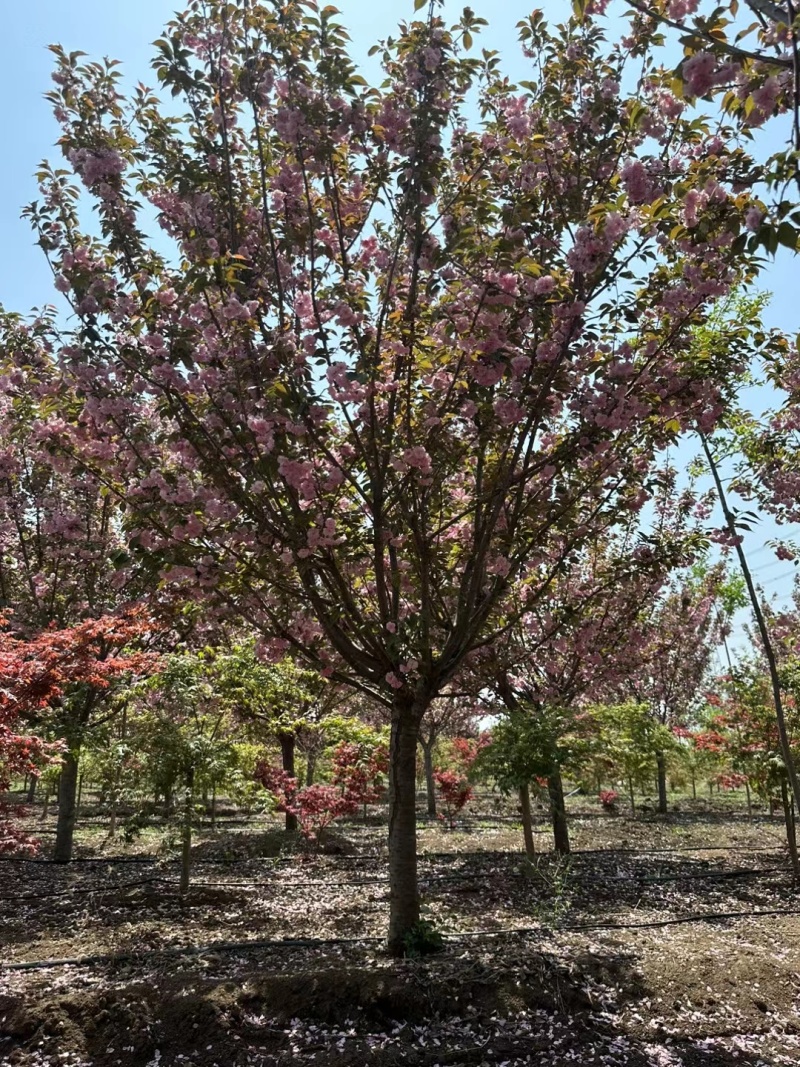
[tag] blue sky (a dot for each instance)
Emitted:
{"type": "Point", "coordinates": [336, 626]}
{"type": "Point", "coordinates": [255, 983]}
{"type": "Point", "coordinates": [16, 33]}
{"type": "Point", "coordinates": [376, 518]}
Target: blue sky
{"type": "Point", "coordinates": [124, 30]}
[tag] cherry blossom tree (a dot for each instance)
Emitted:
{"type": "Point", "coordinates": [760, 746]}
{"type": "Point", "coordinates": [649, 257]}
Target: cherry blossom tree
{"type": "Point", "coordinates": [682, 628]}
{"type": "Point", "coordinates": [573, 648]}
{"type": "Point", "coordinates": [384, 369]}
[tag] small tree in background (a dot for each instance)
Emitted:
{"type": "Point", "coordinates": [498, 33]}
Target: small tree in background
{"type": "Point", "coordinates": [630, 739]}
{"type": "Point", "coordinates": [357, 780]}
{"type": "Point", "coordinates": [64, 679]}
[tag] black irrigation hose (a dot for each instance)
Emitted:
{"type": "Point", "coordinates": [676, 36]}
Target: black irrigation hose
{"type": "Point", "coordinates": [284, 885]}
{"type": "Point", "coordinates": [88, 890]}
{"type": "Point", "coordinates": [314, 942]}
{"type": "Point", "coordinates": [680, 848]}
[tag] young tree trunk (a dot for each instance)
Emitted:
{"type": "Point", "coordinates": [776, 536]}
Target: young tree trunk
{"type": "Point", "coordinates": [32, 787]}
{"type": "Point", "coordinates": [527, 820]}
{"type": "Point", "coordinates": [287, 761]}
{"type": "Point", "coordinates": [46, 806]}
{"type": "Point", "coordinates": [67, 807]}
{"type": "Point", "coordinates": [214, 806]}
{"type": "Point", "coordinates": [791, 828]}
{"type": "Point", "coordinates": [749, 800]}
{"type": "Point", "coordinates": [661, 766]}
{"type": "Point", "coordinates": [311, 768]}
{"type": "Point", "coordinates": [558, 811]}
{"type": "Point", "coordinates": [766, 642]}
{"type": "Point", "coordinates": [186, 834]}
{"type": "Point", "coordinates": [694, 788]}
{"type": "Point", "coordinates": [80, 792]}
{"type": "Point", "coordinates": [633, 798]}
{"type": "Point", "coordinates": [430, 785]}
{"type": "Point", "coordinates": [114, 801]}
{"type": "Point", "coordinates": [403, 885]}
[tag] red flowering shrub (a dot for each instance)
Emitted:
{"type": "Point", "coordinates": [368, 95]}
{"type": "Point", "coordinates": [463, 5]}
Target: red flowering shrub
{"type": "Point", "coordinates": [357, 773]}
{"type": "Point", "coordinates": [609, 798]}
{"type": "Point", "coordinates": [455, 791]}
{"type": "Point", "coordinates": [358, 769]}
{"type": "Point", "coordinates": [730, 780]}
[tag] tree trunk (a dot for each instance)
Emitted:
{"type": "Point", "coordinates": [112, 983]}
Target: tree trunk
{"type": "Point", "coordinates": [749, 800]}
{"type": "Point", "coordinates": [186, 833]}
{"type": "Point", "coordinates": [67, 808]}
{"type": "Point", "coordinates": [694, 788]}
{"type": "Point", "coordinates": [633, 798]}
{"type": "Point", "coordinates": [46, 806]}
{"type": "Point", "coordinates": [766, 641]}
{"type": "Point", "coordinates": [527, 821]}
{"type": "Point", "coordinates": [114, 802]}
{"type": "Point", "coordinates": [558, 811]}
{"type": "Point", "coordinates": [32, 787]}
{"type": "Point", "coordinates": [403, 885]}
{"type": "Point", "coordinates": [311, 768]}
{"type": "Point", "coordinates": [287, 761]}
{"type": "Point", "coordinates": [661, 766]}
{"type": "Point", "coordinates": [430, 785]}
{"type": "Point", "coordinates": [791, 828]}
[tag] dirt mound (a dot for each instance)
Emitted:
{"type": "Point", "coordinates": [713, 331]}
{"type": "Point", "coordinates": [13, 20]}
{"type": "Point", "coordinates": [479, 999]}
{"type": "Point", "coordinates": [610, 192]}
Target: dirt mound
{"type": "Point", "coordinates": [196, 1016]}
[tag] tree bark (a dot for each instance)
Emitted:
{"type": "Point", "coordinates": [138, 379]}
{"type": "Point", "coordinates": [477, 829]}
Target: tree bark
{"type": "Point", "coordinates": [46, 806]}
{"type": "Point", "coordinates": [186, 831]}
{"type": "Point", "coordinates": [32, 787]}
{"type": "Point", "coordinates": [311, 768]}
{"type": "Point", "coordinates": [633, 798]}
{"type": "Point", "coordinates": [558, 812]}
{"type": "Point", "coordinates": [403, 885]}
{"type": "Point", "coordinates": [287, 761]}
{"type": "Point", "coordinates": [430, 785]}
{"type": "Point", "coordinates": [661, 765]}
{"type": "Point", "coordinates": [527, 820]}
{"type": "Point", "coordinates": [791, 828]}
{"type": "Point", "coordinates": [67, 807]}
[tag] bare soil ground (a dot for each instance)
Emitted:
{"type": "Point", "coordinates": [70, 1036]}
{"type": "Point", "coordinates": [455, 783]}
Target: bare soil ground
{"type": "Point", "coordinates": [662, 942]}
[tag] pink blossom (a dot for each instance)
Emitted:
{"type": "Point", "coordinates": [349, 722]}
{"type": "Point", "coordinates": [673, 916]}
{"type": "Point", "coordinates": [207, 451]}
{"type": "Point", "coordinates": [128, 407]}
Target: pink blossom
{"type": "Point", "coordinates": [698, 73]}
{"type": "Point", "coordinates": [753, 217]}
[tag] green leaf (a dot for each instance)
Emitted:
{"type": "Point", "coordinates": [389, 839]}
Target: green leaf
{"type": "Point", "coordinates": [419, 4]}
{"type": "Point", "coordinates": [467, 39]}
{"type": "Point", "coordinates": [787, 235]}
